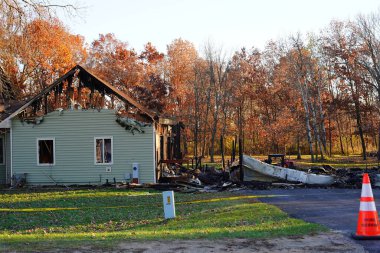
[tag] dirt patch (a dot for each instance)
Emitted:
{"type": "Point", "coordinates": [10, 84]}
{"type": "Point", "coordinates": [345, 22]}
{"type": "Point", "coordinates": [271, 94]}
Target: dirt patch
{"type": "Point", "coordinates": [325, 242]}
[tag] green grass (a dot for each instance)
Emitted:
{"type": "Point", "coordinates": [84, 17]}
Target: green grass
{"type": "Point", "coordinates": [104, 217]}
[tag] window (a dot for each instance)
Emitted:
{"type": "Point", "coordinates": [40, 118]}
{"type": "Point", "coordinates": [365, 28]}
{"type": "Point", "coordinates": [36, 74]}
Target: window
{"type": "Point", "coordinates": [2, 160]}
{"type": "Point", "coordinates": [45, 151]}
{"type": "Point", "coordinates": [103, 150]}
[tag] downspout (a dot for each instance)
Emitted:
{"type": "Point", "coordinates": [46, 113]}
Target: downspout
{"type": "Point", "coordinates": [11, 155]}
{"type": "Point", "coordinates": [154, 153]}
{"type": "Point", "coordinates": [5, 154]}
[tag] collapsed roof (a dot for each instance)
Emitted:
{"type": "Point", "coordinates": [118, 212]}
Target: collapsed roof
{"type": "Point", "coordinates": [63, 91]}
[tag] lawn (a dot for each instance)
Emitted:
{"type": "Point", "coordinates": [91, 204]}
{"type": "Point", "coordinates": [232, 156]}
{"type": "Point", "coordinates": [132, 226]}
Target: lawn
{"type": "Point", "coordinates": [40, 220]}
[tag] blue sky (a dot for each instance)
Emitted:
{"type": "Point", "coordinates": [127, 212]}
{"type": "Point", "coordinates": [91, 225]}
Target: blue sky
{"type": "Point", "coordinates": [231, 24]}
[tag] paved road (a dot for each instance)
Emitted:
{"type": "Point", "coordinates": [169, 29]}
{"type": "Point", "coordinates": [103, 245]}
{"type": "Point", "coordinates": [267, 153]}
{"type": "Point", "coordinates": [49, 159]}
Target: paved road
{"type": "Point", "coordinates": [335, 208]}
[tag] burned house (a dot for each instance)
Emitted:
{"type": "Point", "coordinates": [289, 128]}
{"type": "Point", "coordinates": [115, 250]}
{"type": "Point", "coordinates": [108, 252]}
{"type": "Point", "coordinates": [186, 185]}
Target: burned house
{"type": "Point", "coordinates": [83, 130]}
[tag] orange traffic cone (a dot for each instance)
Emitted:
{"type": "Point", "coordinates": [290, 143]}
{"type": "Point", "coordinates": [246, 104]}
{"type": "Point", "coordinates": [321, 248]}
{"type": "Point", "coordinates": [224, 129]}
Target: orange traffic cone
{"type": "Point", "coordinates": [368, 222]}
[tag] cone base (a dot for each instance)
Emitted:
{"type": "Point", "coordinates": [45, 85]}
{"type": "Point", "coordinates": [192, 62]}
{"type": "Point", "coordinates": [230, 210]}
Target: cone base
{"type": "Point", "coordinates": [367, 237]}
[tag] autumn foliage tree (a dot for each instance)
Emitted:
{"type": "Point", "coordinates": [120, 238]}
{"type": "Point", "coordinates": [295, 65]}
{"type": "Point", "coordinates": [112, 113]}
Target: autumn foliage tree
{"type": "Point", "coordinates": [46, 51]}
{"type": "Point", "coordinates": [140, 75]}
{"type": "Point", "coordinates": [304, 94]}
{"type": "Point", "coordinates": [35, 47]}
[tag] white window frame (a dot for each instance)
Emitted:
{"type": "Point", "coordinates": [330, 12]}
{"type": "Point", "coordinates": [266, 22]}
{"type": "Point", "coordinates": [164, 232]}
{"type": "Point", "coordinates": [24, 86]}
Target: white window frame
{"type": "Point", "coordinates": [37, 151]}
{"type": "Point", "coordinates": [112, 156]}
{"type": "Point", "coordinates": [3, 138]}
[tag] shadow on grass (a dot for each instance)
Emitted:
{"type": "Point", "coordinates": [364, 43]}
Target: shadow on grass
{"type": "Point", "coordinates": [109, 240]}
{"type": "Point", "coordinates": [102, 213]}
{"type": "Point", "coordinates": [210, 216]}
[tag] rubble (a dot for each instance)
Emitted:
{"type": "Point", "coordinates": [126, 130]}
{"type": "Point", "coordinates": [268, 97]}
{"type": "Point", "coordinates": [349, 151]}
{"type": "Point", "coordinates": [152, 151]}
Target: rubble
{"type": "Point", "coordinates": [210, 175]}
{"type": "Point", "coordinates": [179, 178]}
{"type": "Point", "coordinates": [210, 179]}
{"type": "Point", "coordinates": [352, 177]}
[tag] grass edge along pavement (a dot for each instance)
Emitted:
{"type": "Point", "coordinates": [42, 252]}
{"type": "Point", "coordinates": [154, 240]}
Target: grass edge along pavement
{"type": "Point", "coordinates": [101, 220]}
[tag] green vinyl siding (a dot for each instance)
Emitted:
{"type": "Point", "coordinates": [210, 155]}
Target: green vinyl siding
{"type": "Point", "coordinates": [74, 132]}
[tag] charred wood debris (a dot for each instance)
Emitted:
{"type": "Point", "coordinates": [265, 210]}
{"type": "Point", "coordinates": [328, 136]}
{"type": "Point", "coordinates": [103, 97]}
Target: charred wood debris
{"type": "Point", "coordinates": [180, 175]}
{"type": "Point", "coordinates": [206, 178]}
{"type": "Point", "coordinates": [180, 178]}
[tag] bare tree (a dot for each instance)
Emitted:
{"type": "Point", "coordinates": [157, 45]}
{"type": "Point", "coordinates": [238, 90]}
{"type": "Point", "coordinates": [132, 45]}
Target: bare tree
{"type": "Point", "coordinates": [298, 61]}
{"type": "Point", "coordinates": [341, 45]}
{"type": "Point", "coordinates": [367, 29]}
{"type": "Point", "coordinates": [218, 72]}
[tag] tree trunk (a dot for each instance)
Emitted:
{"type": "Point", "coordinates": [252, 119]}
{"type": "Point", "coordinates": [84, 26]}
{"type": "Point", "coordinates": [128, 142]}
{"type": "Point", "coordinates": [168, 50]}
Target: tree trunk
{"type": "Point", "coordinates": [322, 121]}
{"type": "Point", "coordinates": [241, 160]}
{"type": "Point", "coordinates": [233, 151]}
{"type": "Point", "coordinates": [378, 146]}
{"type": "Point", "coordinates": [340, 136]}
{"type": "Point", "coordinates": [374, 138]}
{"type": "Point", "coordinates": [360, 128]}
{"type": "Point", "coordinates": [213, 135]}
{"type": "Point", "coordinates": [330, 137]}
{"type": "Point", "coordinates": [316, 148]}
{"type": "Point", "coordinates": [196, 123]}
{"type": "Point", "coordinates": [351, 144]}
{"type": "Point", "coordinates": [307, 124]}
{"type": "Point", "coordinates": [298, 148]}
{"type": "Point", "coordinates": [185, 148]}
{"type": "Point", "coordinates": [208, 104]}
{"type": "Point", "coordinates": [317, 136]}
{"type": "Point", "coordinates": [222, 151]}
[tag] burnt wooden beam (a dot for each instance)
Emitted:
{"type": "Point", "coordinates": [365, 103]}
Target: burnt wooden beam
{"type": "Point", "coordinates": [177, 141]}
{"type": "Point", "coordinates": [79, 95]}
{"type": "Point", "coordinates": [161, 147]}
{"type": "Point", "coordinates": [222, 151]}
{"type": "Point", "coordinates": [233, 150]}
{"type": "Point", "coordinates": [35, 107]}
{"type": "Point", "coordinates": [56, 96]}
{"type": "Point", "coordinates": [169, 154]}
{"type": "Point", "coordinates": [241, 160]}
{"type": "Point", "coordinates": [103, 98]}
{"type": "Point", "coordinates": [46, 103]}
{"type": "Point", "coordinates": [56, 83]}
{"type": "Point", "coordinates": [68, 90]}
{"type": "Point", "coordinates": [121, 95]}
{"type": "Point", "coordinates": [92, 88]}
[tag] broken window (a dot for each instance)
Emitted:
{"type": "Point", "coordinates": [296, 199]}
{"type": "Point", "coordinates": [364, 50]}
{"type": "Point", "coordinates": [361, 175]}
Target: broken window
{"type": "Point", "coordinates": [45, 151]}
{"type": "Point", "coordinates": [103, 150]}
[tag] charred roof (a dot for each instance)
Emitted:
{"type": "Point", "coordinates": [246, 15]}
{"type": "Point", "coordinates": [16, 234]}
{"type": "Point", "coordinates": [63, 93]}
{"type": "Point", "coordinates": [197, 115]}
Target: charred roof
{"type": "Point", "coordinates": [51, 97]}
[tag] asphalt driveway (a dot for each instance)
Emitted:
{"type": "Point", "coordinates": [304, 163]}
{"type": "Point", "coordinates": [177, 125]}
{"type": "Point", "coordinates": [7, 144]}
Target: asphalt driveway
{"type": "Point", "coordinates": [337, 209]}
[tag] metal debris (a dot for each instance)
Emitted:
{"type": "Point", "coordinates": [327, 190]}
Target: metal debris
{"type": "Point", "coordinates": [131, 125]}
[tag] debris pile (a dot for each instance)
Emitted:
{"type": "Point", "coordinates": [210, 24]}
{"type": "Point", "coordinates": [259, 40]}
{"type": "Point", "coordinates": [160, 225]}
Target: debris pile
{"type": "Point", "coordinates": [210, 176]}
{"type": "Point", "coordinates": [352, 177]}
{"type": "Point", "coordinates": [177, 177]}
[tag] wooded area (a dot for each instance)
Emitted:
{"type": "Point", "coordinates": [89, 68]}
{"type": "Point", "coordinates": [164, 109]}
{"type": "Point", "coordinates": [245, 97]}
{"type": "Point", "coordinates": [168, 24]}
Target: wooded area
{"type": "Point", "coordinates": [316, 94]}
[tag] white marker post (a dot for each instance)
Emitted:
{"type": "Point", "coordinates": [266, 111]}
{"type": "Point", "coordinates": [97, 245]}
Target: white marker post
{"type": "Point", "coordinates": [169, 206]}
